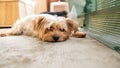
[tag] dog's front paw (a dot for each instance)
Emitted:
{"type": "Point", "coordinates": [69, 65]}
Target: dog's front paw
{"type": "Point", "coordinates": [79, 35]}
{"type": "Point", "coordinates": [83, 35]}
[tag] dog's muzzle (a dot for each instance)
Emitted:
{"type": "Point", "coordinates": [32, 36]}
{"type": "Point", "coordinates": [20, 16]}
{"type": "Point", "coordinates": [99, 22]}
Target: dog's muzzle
{"type": "Point", "coordinates": [55, 38]}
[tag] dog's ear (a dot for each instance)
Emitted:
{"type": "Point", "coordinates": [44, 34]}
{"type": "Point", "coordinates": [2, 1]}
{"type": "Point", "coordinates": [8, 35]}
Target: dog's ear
{"type": "Point", "coordinates": [38, 22]}
{"type": "Point", "coordinates": [72, 25]}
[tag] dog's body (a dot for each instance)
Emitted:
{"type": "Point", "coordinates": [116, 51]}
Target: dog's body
{"type": "Point", "coordinates": [45, 27]}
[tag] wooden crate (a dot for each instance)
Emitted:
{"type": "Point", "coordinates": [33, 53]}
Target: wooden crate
{"type": "Point", "coordinates": [8, 12]}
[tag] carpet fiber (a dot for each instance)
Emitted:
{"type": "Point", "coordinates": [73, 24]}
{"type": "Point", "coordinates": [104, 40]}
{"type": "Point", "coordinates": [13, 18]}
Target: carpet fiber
{"type": "Point", "coordinates": [29, 52]}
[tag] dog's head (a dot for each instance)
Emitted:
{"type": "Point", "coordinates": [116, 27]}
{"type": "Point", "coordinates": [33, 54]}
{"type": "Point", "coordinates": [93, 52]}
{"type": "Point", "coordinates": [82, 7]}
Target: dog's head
{"type": "Point", "coordinates": [55, 29]}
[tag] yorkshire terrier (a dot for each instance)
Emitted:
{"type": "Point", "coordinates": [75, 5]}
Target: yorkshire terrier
{"type": "Point", "coordinates": [45, 27]}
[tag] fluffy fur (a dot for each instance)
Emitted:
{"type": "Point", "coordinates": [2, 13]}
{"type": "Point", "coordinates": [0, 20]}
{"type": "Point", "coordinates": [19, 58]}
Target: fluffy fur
{"type": "Point", "coordinates": [45, 27]}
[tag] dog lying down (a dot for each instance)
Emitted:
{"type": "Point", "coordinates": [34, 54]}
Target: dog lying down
{"type": "Point", "coordinates": [45, 27]}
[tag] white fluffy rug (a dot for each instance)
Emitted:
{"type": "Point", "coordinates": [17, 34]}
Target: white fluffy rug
{"type": "Point", "coordinates": [29, 52]}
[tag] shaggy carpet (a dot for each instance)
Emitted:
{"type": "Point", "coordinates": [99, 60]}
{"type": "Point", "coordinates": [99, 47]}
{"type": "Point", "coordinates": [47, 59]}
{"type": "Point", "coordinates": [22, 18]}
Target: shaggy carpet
{"type": "Point", "coordinates": [29, 52]}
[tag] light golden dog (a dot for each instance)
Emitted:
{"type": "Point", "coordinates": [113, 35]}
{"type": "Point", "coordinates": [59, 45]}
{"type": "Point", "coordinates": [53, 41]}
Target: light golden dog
{"type": "Point", "coordinates": [45, 27]}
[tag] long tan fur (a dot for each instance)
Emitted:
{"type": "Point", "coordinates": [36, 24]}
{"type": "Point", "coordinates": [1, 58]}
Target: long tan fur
{"type": "Point", "coordinates": [45, 27]}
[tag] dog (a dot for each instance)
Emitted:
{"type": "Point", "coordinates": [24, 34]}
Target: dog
{"type": "Point", "coordinates": [60, 13]}
{"type": "Point", "coordinates": [45, 27]}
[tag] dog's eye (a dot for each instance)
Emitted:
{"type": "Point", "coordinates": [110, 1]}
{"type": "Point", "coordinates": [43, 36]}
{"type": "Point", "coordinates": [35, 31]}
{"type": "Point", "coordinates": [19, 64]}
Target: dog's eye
{"type": "Point", "coordinates": [62, 30]}
{"type": "Point", "coordinates": [50, 29]}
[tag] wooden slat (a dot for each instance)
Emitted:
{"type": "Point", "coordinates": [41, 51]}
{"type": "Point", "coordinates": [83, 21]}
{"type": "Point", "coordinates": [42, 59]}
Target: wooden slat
{"type": "Point", "coordinates": [8, 13]}
{"type": "Point", "coordinates": [104, 24]}
{"type": "Point", "coordinates": [8, 0]}
{"type": "Point", "coordinates": [2, 13]}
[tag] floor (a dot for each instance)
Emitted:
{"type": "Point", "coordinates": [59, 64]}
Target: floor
{"type": "Point", "coordinates": [29, 52]}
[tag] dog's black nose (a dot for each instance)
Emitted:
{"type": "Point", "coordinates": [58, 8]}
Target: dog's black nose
{"type": "Point", "coordinates": [55, 37]}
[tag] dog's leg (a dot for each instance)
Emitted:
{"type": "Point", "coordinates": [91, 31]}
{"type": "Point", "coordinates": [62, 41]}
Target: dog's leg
{"type": "Point", "coordinates": [10, 32]}
{"type": "Point", "coordinates": [13, 31]}
{"type": "Point", "coordinates": [79, 34]}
